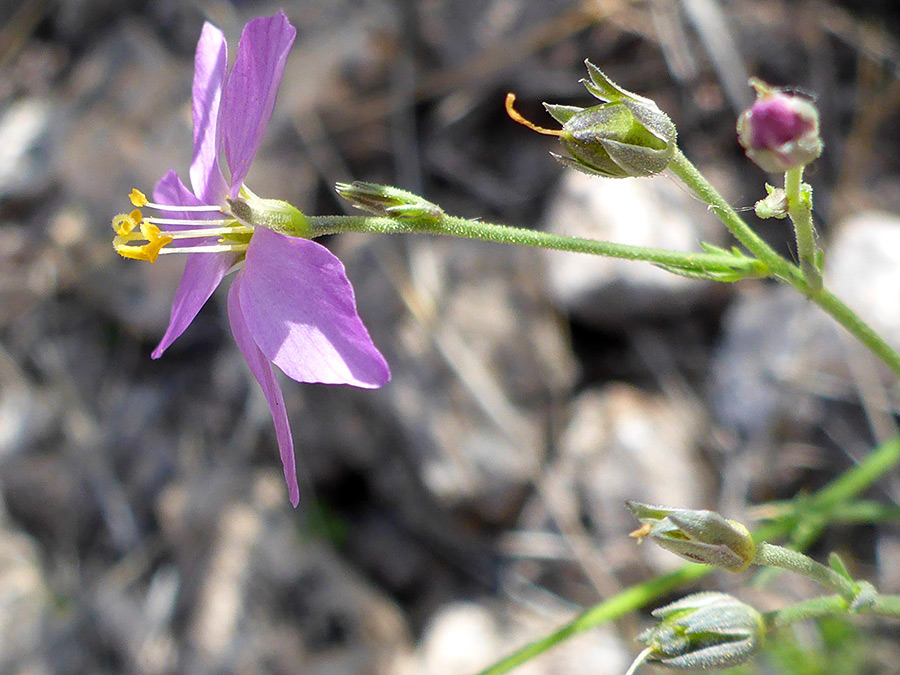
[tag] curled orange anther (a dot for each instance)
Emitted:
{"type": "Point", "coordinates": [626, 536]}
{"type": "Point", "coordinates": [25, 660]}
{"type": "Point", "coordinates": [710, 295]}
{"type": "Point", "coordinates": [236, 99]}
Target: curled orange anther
{"type": "Point", "coordinates": [515, 115]}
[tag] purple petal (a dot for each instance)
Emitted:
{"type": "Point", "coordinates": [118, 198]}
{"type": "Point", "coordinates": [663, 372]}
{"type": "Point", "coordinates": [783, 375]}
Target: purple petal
{"type": "Point", "coordinates": [301, 311]}
{"type": "Point", "coordinates": [250, 91]}
{"type": "Point", "coordinates": [172, 192]}
{"type": "Point", "coordinates": [210, 64]}
{"type": "Point", "coordinates": [202, 271]}
{"type": "Point", "coordinates": [262, 371]}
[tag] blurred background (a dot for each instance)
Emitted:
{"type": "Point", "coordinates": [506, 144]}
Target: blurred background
{"type": "Point", "coordinates": [476, 502]}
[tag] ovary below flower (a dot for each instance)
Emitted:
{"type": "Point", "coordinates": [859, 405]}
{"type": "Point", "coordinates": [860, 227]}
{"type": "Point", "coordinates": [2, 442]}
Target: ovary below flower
{"type": "Point", "coordinates": [290, 303]}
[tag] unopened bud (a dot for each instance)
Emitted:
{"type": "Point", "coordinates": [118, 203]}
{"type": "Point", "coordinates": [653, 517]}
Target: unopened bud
{"type": "Point", "coordinates": [704, 630]}
{"type": "Point", "coordinates": [626, 135]}
{"type": "Point", "coordinates": [775, 205]}
{"type": "Point", "coordinates": [699, 536]}
{"type": "Point", "coordinates": [387, 201]}
{"type": "Point", "coordinates": [780, 131]}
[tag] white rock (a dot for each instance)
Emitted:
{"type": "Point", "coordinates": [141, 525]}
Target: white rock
{"type": "Point", "coordinates": [460, 639]}
{"type": "Point", "coordinates": [623, 443]}
{"type": "Point", "coordinates": [654, 212]}
{"type": "Point", "coordinates": [25, 134]}
{"type": "Point", "coordinates": [24, 601]}
{"type": "Point", "coordinates": [862, 267]}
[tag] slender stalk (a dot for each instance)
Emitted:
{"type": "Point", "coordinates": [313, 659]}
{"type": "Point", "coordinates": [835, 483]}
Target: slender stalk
{"type": "Point", "coordinates": [831, 605]}
{"type": "Point", "coordinates": [807, 609]}
{"type": "Point", "coordinates": [862, 331]}
{"type": "Point", "coordinates": [885, 605]}
{"type": "Point", "coordinates": [700, 263]}
{"type": "Point", "coordinates": [800, 211]}
{"type": "Point", "coordinates": [794, 561]}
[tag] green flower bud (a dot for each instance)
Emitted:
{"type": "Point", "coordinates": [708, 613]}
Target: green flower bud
{"type": "Point", "coordinates": [704, 630]}
{"type": "Point", "coordinates": [775, 205]}
{"type": "Point", "coordinates": [699, 536]}
{"type": "Point", "coordinates": [625, 136]}
{"type": "Point", "coordinates": [387, 201]}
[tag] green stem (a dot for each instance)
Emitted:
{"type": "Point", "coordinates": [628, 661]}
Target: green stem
{"type": "Point", "coordinates": [794, 561]}
{"type": "Point", "coordinates": [862, 331]}
{"type": "Point", "coordinates": [807, 609]}
{"type": "Point", "coordinates": [780, 268]}
{"type": "Point", "coordinates": [800, 211]}
{"type": "Point", "coordinates": [700, 263]}
{"type": "Point", "coordinates": [885, 605]}
{"type": "Point", "coordinates": [682, 167]}
{"type": "Point", "coordinates": [831, 605]}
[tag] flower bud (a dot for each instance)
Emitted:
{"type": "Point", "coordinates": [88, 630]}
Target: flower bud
{"type": "Point", "coordinates": [387, 201]}
{"type": "Point", "coordinates": [704, 630]}
{"type": "Point", "coordinates": [699, 536]}
{"type": "Point", "coordinates": [626, 135]}
{"type": "Point", "coordinates": [780, 131]}
{"type": "Point", "coordinates": [775, 205]}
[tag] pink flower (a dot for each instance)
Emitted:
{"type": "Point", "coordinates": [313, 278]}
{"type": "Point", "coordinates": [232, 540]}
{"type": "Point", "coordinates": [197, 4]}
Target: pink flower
{"type": "Point", "coordinates": [291, 303]}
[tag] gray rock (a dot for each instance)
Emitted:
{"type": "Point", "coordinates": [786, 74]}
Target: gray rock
{"type": "Point", "coordinates": [622, 443]}
{"type": "Point", "coordinates": [465, 637]}
{"type": "Point", "coordinates": [653, 212]}
{"type": "Point", "coordinates": [862, 267]}
{"type": "Point", "coordinates": [776, 343]}
{"type": "Point", "coordinates": [476, 353]}
{"type": "Point", "coordinates": [24, 602]}
{"type": "Point", "coordinates": [761, 333]}
{"type": "Point", "coordinates": [26, 140]}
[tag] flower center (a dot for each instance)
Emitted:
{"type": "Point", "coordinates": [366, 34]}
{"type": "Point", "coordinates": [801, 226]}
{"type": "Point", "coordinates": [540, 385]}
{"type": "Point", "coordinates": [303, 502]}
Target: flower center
{"type": "Point", "coordinates": [141, 238]}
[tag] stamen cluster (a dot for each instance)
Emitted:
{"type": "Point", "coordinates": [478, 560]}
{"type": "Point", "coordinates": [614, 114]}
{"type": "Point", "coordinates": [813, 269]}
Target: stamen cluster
{"type": "Point", "coordinates": [231, 235]}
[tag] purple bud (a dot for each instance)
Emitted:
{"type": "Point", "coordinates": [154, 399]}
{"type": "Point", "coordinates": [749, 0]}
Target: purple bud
{"type": "Point", "coordinates": [780, 131]}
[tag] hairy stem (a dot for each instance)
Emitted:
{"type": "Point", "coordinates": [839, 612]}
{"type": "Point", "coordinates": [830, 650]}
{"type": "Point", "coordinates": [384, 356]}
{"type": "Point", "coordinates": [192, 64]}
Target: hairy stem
{"type": "Point", "coordinates": [800, 212]}
{"type": "Point", "coordinates": [794, 561]}
{"type": "Point", "coordinates": [682, 167]}
{"type": "Point", "coordinates": [779, 267]}
{"type": "Point", "coordinates": [700, 263]}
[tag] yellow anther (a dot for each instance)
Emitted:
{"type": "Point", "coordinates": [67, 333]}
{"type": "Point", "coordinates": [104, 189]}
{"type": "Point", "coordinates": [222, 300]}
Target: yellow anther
{"type": "Point", "coordinates": [126, 222]}
{"type": "Point", "coordinates": [517, 116]}
{"type": "Point", "coordinates": [149, 251]}
{"type": "Point", "coordinates": [138, 198]}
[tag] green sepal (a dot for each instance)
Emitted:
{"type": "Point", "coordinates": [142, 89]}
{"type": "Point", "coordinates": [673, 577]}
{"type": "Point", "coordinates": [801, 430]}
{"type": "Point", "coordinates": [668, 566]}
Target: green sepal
{"type": "Point", "coordinates": [697, 535]}
{"type": "Point", "coordinates": [562, 113]}
{"type": "Point", "coordinates": [837, 564]}
{"type": "Point", "coordinates": [273, 214]}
